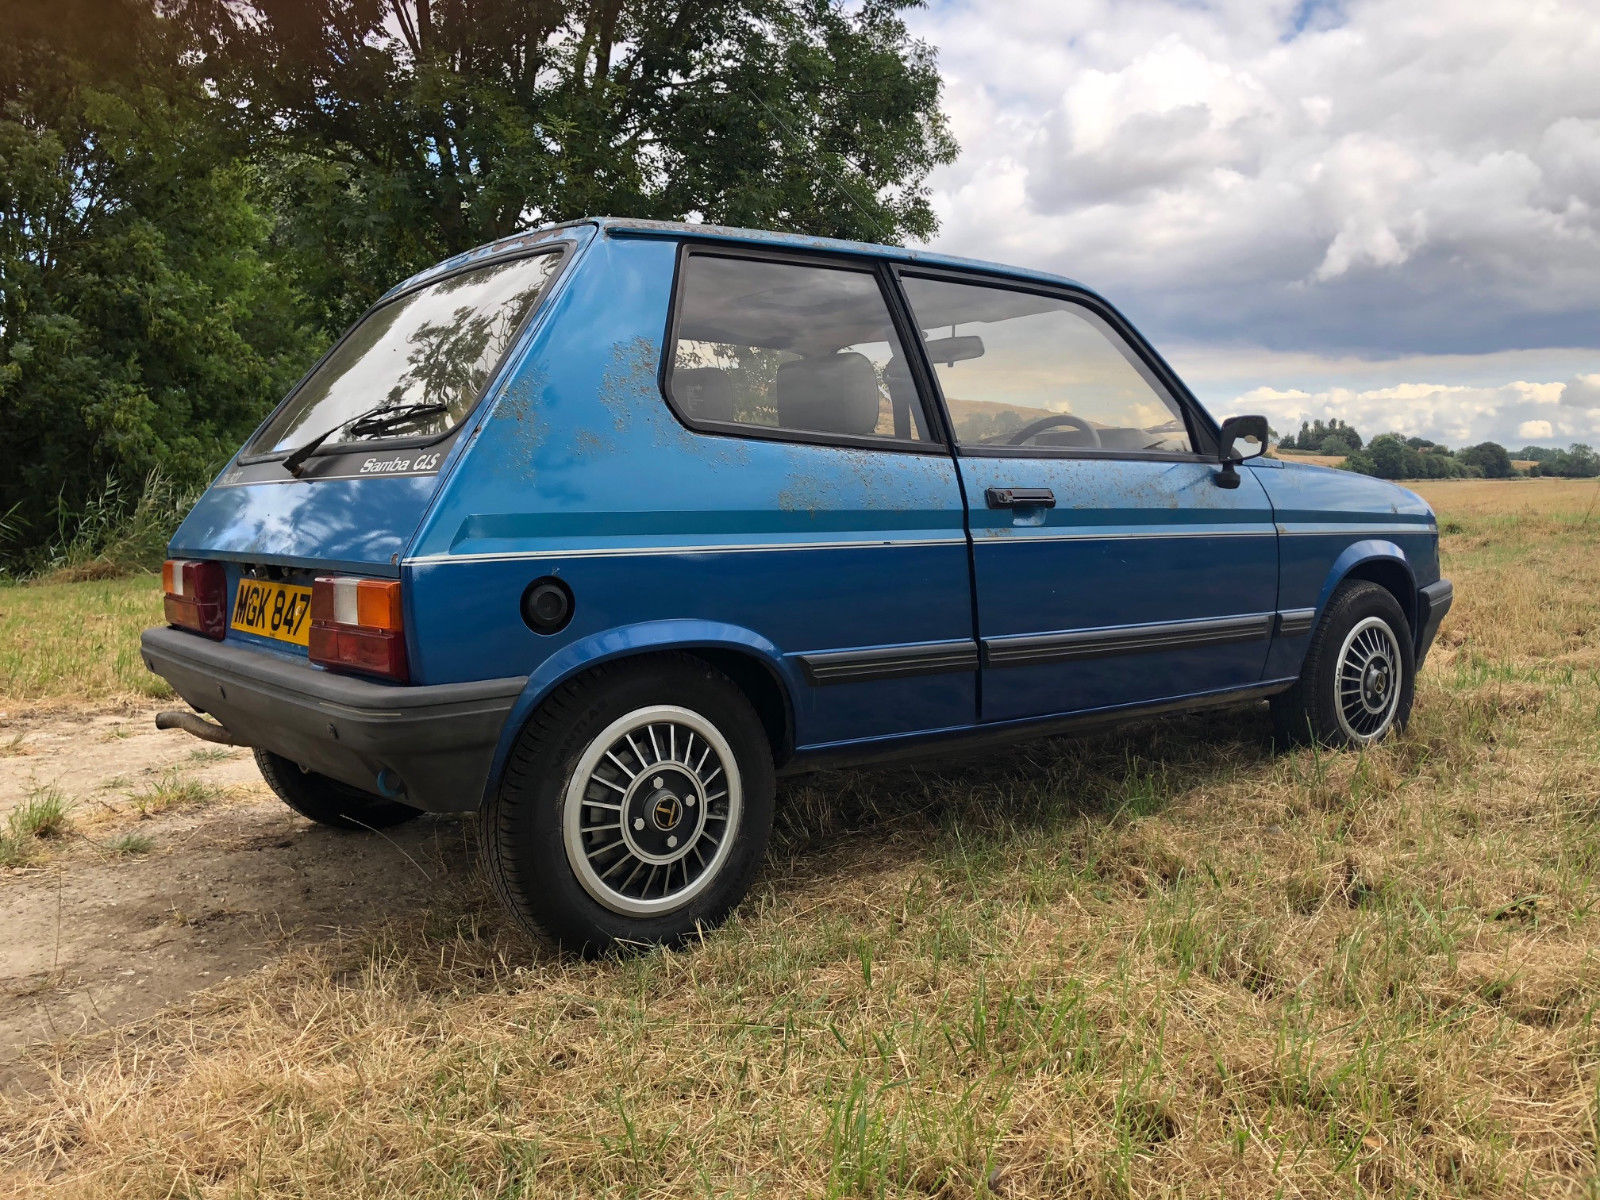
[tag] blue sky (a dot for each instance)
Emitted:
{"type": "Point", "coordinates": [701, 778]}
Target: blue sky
{"type": "Point", "coordinates": [1382, 210]}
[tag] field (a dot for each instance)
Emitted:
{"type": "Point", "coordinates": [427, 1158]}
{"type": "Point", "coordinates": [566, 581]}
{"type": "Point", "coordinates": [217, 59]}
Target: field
{"type": "Point", "coordinates": [1162, 962]}
{"type": "Point", "coordinates": [77, 641]}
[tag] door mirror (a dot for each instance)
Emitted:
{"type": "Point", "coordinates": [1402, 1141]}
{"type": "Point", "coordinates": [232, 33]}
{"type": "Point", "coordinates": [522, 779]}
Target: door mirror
{"type": "Point", "coordinates": [1243, 438]}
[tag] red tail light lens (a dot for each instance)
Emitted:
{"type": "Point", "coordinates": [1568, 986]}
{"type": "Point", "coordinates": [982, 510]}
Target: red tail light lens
{"type": "Point", "coordinates": [196, 596]}
{"type": "Point", "coordinates": [356, 626]}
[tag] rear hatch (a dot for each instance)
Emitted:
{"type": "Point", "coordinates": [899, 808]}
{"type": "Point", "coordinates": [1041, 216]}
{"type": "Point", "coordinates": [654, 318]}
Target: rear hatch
{"type": "Point", "coordinates": [341, 475]}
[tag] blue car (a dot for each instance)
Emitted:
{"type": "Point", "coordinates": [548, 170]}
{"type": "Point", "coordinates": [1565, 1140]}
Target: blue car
{"type": "Point", "coordinates": [596, 530]}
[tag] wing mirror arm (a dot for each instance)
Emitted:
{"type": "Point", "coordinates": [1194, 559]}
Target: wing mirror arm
{"type": "Point", "coordinates": [1253, 433]}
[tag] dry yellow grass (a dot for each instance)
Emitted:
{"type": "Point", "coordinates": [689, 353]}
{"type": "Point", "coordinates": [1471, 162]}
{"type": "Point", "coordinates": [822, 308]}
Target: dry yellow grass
{"type": "Point", "coordinates": [1316, 460]}
{"type": "Point", "coordinates": [1157, 963]}
{"type": "Point", "coordinates": [73, 643]}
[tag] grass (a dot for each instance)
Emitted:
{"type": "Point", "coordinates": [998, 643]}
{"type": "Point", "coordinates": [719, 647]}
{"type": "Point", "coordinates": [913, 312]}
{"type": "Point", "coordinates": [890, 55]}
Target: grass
{"type": "Point", "coordinates": [78, 642]}
{"type": "Point", "coordinates": [119, 530]}
{"type": "Point", "coordinates": [1161, 962]}
{"type": "Point", "coordinates": [42, 816]}
{"type": "Point", "coordinates": [131, 844]}
{"type": "Point", "coordinates": [172, 790]}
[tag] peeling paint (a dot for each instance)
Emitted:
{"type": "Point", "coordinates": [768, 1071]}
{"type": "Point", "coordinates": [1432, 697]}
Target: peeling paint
{"type": "Point", "coordinates": [521, 412]}
{"type": "Point", "coordinates": [628, 387]}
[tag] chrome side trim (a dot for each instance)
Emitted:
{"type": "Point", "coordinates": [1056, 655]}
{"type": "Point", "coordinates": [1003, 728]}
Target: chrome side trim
{"type": "Point", "coordinates": [1295, 622]}
{"type": "Point", "coordinates": [1032, 649]}
{"type": "Point", "coordinates": [888, 662]}
{"type": "Point", "coordinates": [992, 536]}
{"type": "Point", "coordinates": [425, 560]}
{"type": "Point", "coordinates": [1301, 530]}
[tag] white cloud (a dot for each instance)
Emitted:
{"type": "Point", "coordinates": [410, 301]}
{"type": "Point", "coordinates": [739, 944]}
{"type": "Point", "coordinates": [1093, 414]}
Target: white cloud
{"type": "Point", "coordinates": [1454, 414]}
{"type": "Point", "coordinates": [1397, 177]}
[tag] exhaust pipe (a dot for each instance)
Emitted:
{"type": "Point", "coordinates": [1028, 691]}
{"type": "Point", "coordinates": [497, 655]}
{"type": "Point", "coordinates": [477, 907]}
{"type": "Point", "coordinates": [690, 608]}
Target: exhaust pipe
{"type": "Point", "coordinates": [194, 723]}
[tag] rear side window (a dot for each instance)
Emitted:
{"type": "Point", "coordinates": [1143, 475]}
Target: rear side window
{"type": "Point", "coordinates": [1024, 370]}
{"type": "Point", "coordinates": [431, 350]}
{"type": "Point", "coordinates": [790, 350]}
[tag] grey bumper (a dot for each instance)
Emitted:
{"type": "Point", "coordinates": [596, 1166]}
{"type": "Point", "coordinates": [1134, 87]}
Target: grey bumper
{"type": "Point", "coordinates": [439, 739]}
{"type": "Point", "coordinates": [1433, 602]}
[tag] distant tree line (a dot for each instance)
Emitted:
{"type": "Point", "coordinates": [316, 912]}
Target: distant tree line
{"type": "Point", "coordinates": [1575, 462]}
{"type": "Point", "coordinates": [197, 195]}
{"type": "Point", "coordinates": [1314, 437]}
{"type": "Point", "coordinates": [1395, 456]}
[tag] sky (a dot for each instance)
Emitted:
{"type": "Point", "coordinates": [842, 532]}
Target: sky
{"type": "Point", "coordinates": [1382, 210]}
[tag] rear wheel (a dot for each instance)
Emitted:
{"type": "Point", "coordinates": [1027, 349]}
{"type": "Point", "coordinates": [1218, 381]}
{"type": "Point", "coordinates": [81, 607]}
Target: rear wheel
{"type": "Point", "coordinates": [327, 801]}
{"type": "Point", "coordinates": [1357, 680]}
{"type": "Point", "coordinates": [634, 809]}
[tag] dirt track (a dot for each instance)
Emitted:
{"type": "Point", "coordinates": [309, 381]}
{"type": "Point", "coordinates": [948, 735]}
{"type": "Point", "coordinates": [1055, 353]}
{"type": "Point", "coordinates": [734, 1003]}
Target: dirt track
{"type": "Point", "coordinates": [92, 937]}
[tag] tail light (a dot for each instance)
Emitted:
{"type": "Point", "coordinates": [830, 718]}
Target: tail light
{"type": "Point", "coordinates": [356, 626]}
{"type": "Point", "coordinates": [196, 596]}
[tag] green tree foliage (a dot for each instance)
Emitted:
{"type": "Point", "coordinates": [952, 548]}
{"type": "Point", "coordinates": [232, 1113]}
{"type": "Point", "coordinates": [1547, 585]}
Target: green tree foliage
{"type": "Point", "coordinates": [196, 196]}
{"type": "Point", "coordinates": [408, 130]}
{"type": "Point", "coordinates": [1391, 456]}
{"type": "Point", "coordinates": [1493, 459]}
{"type": "Point", "coordinates": [1578, 461]}
{"type": "Point", "coordinates": [1317, 437]}
{"type": "Point", "coordinates": [140, 327]}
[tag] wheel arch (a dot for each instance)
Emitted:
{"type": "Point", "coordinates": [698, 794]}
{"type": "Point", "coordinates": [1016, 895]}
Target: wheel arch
{"type": "Point", "coordinates": [1379, 562]}
{"type": "Point", "coordinates": [752, 662]}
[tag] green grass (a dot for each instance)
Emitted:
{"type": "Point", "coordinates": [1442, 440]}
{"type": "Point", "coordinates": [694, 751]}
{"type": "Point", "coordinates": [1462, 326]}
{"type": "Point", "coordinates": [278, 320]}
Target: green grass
{"type": "Point", "coordinates": [131, 844]}
{"type": "Point", "coordinates": [77, 642]}
{"type": "Point", "coordinates": [172, 790]}
{"type": "Point", "coordinates": [42, 816]}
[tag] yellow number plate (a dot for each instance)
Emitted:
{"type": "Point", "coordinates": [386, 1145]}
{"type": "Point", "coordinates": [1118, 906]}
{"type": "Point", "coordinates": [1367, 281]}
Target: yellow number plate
{"type": "Point", "coordinates": [274, 610]}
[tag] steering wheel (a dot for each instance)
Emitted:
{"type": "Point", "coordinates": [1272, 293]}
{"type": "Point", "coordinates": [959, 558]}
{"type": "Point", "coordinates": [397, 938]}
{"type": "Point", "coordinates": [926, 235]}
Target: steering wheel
{"type": "Point", "coordinates": [1034, 428]}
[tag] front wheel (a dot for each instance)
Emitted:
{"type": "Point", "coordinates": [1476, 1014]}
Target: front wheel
{"type": "Point", "coordinates": [1357, 681]}
{"type": "Point", "coordinates": [634, 809]}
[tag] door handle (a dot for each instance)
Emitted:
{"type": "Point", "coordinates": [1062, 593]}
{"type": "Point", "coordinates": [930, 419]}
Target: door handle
{"type": "Point", "coordinates": [1020, 498]}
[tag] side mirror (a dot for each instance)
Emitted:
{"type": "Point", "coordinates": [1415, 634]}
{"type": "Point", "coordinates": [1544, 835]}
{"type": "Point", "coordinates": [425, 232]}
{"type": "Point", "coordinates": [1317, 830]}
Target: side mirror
{"type": "Point", "coordinates": [1240, 438]}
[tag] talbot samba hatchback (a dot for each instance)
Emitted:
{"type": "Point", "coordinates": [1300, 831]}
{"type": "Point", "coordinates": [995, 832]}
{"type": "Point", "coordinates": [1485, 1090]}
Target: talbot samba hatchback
{"type": "Point", "coordinates": [595, 530]}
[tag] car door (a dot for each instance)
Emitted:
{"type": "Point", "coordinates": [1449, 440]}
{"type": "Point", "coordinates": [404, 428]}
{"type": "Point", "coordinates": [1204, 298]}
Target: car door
{"type": "Point", "coordinates": [797, 364]}
{"type": "Point", "coordinates": [1111, 566]}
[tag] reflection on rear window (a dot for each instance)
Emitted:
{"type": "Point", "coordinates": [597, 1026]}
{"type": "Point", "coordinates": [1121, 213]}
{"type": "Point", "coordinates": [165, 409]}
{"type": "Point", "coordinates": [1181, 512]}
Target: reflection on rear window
{"type": "Point", "coordinates": [434, 346]}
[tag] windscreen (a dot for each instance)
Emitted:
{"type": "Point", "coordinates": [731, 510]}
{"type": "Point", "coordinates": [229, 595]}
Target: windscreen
{"type": "Point", "coordinates": [431, 350]}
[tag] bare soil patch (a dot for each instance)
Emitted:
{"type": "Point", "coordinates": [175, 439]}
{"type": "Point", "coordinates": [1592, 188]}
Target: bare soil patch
{"type": "Point", "coordinates": [225, 879]}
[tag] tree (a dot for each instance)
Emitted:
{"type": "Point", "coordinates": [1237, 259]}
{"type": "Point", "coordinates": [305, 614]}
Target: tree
{"type": "Point", "coordinates": [1390, 457]}
{"type": "Point", "coordinates": [1578, 461]}
{"type": "Point", "coordinates": [140, 327]}
{"type": "Point", "coordinates": [1493, 459]}
{"type": "Point", "coordinates": [408, 130]}
{"type": "Point", "coordinates": [1338, 443]}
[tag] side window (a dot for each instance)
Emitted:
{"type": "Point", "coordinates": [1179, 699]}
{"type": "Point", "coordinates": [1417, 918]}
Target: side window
{"type": "Point", "coordinates": [1019, 369]}
{"type": "Point", "coordinates": [784, 347]}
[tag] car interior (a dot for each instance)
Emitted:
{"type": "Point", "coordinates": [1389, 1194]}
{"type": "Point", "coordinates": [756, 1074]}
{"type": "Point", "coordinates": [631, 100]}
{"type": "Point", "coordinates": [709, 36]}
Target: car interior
{"type": "Point", "coordinates": [812, 350]}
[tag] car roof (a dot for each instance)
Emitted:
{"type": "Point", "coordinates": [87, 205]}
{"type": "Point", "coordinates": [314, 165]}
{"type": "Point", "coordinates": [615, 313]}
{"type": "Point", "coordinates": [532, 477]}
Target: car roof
{"type": "Point", "coordinates": [630, 227]}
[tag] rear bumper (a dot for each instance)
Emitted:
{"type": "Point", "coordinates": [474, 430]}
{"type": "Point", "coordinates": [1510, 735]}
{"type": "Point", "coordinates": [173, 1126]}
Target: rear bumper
{"type": "Point", "coordinates": [439, 739]}
{"type": "Point", "coordinates": [1433, 602]}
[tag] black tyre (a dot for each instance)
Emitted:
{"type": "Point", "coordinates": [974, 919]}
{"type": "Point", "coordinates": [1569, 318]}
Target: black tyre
{"type": "Point", "coordinates": [634, 809]}
{"type": "Point", "coordinates": [327, 801]}
{"type": "Point", "coordinates": [1359, 676]}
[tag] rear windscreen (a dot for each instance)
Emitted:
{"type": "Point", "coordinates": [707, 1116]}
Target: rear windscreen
{"type": "Point", "coordinates": [431, 350]}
